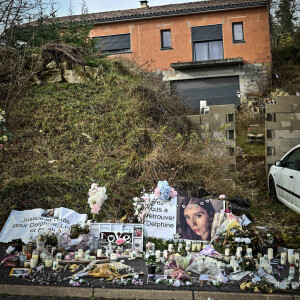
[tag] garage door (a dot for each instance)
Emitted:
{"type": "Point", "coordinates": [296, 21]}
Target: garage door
{"type": "Point", "coordinates": [216, 91]}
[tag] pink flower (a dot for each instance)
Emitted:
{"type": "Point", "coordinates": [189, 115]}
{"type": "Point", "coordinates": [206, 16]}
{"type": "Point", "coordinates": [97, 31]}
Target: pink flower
{"type": "Point", "coordinates": [120, 241]}
{"type": "Point", "coordinates": [95, 209]}
{"type": "Point", "coordinates": [227, 211]}
{"type": "Point", "coordinates": [222, 197]}
{"type": "Point", "coordinates": [173, 193]}
{"type": "Point", "coordinates": [156, 192]}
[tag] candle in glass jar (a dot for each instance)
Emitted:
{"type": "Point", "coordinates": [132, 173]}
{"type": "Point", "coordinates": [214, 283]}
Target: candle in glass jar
{"type": "Point", "coordinates": [157, 254]}
{"type": "Point", "coordinates": [35, 255]}
{"type": "Point", "coordinates": [249, 251]}
{"type": "Point", "coordinates": [133, 254]}
{"type": "Point", "coordinates": [27, 264]}
{"type": "Point", "coordinates": [239, 251]}
{"type": "Point", "coordinates": [113, 256]}
{"type": "Point", "coordinates": [22, 259]}
{"type": "Point", "coordinates": [33, 263]}
{"type": "Point", "coordinates": [165, 254]}
{"type": "Point", "coordinates": [99, 252]}
{"type": "Point", "coordinates": [54, 265]}
{"type": "Point", "coordinates": [283, 258]}
{"type": "Point", "coordinates": [227, 252]}
{"type": "Point", "coordinates": [58, 256]}
{"type": "Point", "coordinates": [80, 253]}
{"type": "Point", "coordinates": [199, 246]}
{"type": "Point", "coordinates": [259, 255]}
{"type": "Point", "coordinates": [48, 262]}
{"type": "Point", "coordinates": [270, 254]}
{"type": "Point", "coordinates": [292, 259]}
{"type": "Point", "coordinates": [194, 246]}
{"type": "Point", "coordinates": [170, 247]}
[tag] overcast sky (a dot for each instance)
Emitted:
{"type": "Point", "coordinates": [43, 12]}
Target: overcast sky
{"type": "Point", "coordinates": [107, 5]}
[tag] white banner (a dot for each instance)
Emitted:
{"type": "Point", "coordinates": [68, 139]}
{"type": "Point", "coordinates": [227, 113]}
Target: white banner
{"type": "Point", "coordinates": [161, 219]}
{"type": "Point", "coordinates": [30, 223]}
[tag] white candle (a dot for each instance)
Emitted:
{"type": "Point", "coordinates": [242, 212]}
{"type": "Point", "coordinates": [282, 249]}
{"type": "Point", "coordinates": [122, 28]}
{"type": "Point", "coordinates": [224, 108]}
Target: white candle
{"type": "Point", "coordinates": [227, 252]}
{"type": "Point", "coordinates": [55, 265]}
{"type": "Point", "coordinates": [133, 254]}
{"type": "Point", "coordinates": [99, 252]}
{"type": "Point", "coordinates": [290, 253]}
{"type": "Point", "coordinates": [199, 246]}
{"type": "Point", "coordinates": [239, 251]}
{"type": "Point", "coordinates": [270, 254]}
{"type": "Point", "coordinates": [194, 247]}
{"type": "Point", "coordinates": [48, 262]}
{"type": "Point", "coordinates": [170, 247]}
{"type": "Point", "coordinates": [157, 254]}
{"type": "Point", "coordinates": [113, 256]}
{"type": "Point", "coordinates": [165, 254]}
{"type": "Point", "coordinates": [259, 255]}
{"type": "Point", "coordinates": [292, 259]}
{"type": "Point", "coordinates": [33, 263]}
{"type": "Point", "coordinates": [297, 260]}
{"type": "Point", "coordinates": [249, 251]}
{"type": "Point", "coordinates": [261, 261]}
{"type": "Point", "coordinates": [283, 258]}
{"type": "Point", "coordinates": [80, 253]}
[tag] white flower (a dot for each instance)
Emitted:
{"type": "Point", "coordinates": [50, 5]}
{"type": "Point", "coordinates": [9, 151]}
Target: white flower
{"type": "Point", "coordinates": [177, 283]}
{"type": "Point", "coordinates": [238, 240]}
{"type": "Point", "coordinates": [188, 283]}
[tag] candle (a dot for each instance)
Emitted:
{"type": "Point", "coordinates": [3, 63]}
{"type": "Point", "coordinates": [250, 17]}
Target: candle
{"type": "Point", "coordinates": [283, 258]}
{"type": "Point", "coordinates": [99, 252]}
{"type": "Point", "coordinates": [58, 256]}
{"type": "Point", "coordinates": [48, 262]}
{"type": "Point", "coordinates": [199, 246]}
{"type": "Point", "coordinates": [227, 252]}
{"type": "Point", "coordinates": [292, 259]}
{"type": "Point", "coordinates": [87, 255]}
{"type": "Point", "coordinates": [35, 255]}
{"type": "Point", "coordinates": [55, 265]}
{"type": "Point", "coordinates": [33, 263]}
{"type": "Point", "coordinates": [80, 253]}
{"type": "Point", "coordinates": [259, 255]}
{"type": "Point", "coordinates": [297, 259]}
{"type": "Point", "coordinates": [194, 246]}
{"type": "Point", "coordinates": [179, 246]}
{"type": "Point", "coordinates": [22, 259]}
{"type": "Point", "coordinates": [133, 254]}
{"type": "Point", "coordinates": [27, 264]}
{"type": "Point", "coordinates": [249, 251]}
{"type": "Point", "coordinates": [268, 268]}
{"type": "Point", "coordinates": [93, 257]}
{"type": "Point", "coordinates": [170, 247]}
{"type": "Point", "coordinates": [239, 251]}
{"type": "Point", "coordinates": [157, 254]}
{"type": "Point", "coordinates": [165, 254]}
{"type": "Point", "coordinates": [290, 253]}
{"type": "Point", "coordinates": [113, 256]}
{"type": "Point", "coordinates": [270, 254]}
{"type": "Point", "coordinates": [187, 247]}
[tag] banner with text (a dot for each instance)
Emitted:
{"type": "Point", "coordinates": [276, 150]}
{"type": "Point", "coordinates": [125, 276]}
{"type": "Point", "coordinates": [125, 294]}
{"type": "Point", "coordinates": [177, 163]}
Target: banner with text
{"type": "Point", "coordinates": [31, 223]}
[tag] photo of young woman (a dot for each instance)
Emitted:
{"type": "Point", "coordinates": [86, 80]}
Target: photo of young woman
{"type": "Point", "coordinates": [195, 217]}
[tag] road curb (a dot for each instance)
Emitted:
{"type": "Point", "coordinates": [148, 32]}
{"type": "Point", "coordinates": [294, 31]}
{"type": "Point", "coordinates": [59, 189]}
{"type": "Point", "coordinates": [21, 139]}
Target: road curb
{"type": "Point", "coordinates": [132, 294]}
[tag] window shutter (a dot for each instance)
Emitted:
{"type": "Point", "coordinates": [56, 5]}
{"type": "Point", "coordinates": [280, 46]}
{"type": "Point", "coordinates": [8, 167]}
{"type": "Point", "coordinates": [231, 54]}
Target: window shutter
{"type": "Point", "coordinates": [207, 33]}
{"type": "Point", "coordinates": [113, 42]}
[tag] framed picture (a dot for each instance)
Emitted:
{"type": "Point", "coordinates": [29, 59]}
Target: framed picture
{"type": "Point", "coordinates": [19, 272]}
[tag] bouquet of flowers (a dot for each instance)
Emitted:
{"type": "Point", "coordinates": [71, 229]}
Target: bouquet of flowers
{"type": "Point", "coordinates": [164, 192]}
{"type": "Point", "coordinates": [97, 195]}
{"type": "Point", "coordinates": [149, 258]}
{"type": "Point", "coordinates": [120, 242]}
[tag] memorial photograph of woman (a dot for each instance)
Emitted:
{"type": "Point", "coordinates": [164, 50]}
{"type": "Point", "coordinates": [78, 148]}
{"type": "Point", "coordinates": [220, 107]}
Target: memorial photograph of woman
{"type": "Point", "coordinates": [195, 218]}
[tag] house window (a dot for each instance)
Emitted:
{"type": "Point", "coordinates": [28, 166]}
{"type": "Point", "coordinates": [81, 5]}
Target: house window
{"type": "Point", "coordinates": [237, 32]}
{"type": "Point", "coordinates": [208, 50]}
{"type": "Point", "coordinates": [166, 42]}
{"type": "Point", "coordinates": [113, 44]}
{"type": "Point", "coordinates": [207, 42]}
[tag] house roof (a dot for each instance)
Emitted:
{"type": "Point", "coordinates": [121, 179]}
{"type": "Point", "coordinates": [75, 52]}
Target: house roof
{"type": "Point", "coordinates": [163, 10]}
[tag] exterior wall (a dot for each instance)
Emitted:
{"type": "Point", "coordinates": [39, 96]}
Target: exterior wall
{"type": "Point", "coordinates": [282, 127]}
{"type": "Point", "coordinates": [218, 124]}
{"type": "Point", "coordinates": [146, 37]}
{"type": "Point", "coordinates": [253, 78]}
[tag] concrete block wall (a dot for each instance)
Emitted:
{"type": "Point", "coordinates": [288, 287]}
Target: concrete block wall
{"type": "Point", "coordinates": [219, 124]}
{"type": "Point", "coordinates": [282, 127]}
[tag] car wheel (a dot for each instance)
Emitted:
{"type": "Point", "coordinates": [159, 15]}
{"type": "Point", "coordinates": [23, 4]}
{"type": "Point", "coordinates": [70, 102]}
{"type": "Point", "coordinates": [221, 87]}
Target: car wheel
{"type": "Point", "coordinates": [272, 189]}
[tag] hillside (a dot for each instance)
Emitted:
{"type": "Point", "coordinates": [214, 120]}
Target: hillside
{"type": "Point", "coordinates": [120, 131]}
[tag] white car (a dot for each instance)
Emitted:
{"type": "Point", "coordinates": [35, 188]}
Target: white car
{"type": "Point", "coordinates": [284, 179]}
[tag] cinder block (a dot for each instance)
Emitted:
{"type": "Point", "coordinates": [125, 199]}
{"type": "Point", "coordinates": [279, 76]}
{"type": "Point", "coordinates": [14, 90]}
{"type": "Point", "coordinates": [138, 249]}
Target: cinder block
{"type": "Point", "coordinates": [288, 100]}
{"type": "Point", "coordinates": [270, 160]}
{"type": "Point", "coordinates": [296, 108]}
{"type": "Point", "coordinates": [279, 125]}
{"type": "Point", "coordinates": [287, 117]}
{"type": "Point", "coordinates": [287, 134]}
{"type": "Point", "coordinates": [222, 109]}
{"type": "Point", "coordinates": [193, 119]}
{"type": "Point", "coordinates": [216, 118]}
{"type": "Point", "coordinates": [281, 143]}
{"type": "Point", "coordinates": [296, 125]}
{"type": "Point", "coordinates": [278, 108]}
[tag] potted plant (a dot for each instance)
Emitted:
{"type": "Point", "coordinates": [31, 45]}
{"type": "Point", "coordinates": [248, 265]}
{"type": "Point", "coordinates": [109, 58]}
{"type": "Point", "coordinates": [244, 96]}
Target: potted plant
{"type": "Point", "coordinates": [150, 260]}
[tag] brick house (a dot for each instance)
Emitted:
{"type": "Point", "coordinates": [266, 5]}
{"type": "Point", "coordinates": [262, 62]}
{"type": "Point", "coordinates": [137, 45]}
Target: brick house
{"type": "Point", "coordinates": [215, 50]}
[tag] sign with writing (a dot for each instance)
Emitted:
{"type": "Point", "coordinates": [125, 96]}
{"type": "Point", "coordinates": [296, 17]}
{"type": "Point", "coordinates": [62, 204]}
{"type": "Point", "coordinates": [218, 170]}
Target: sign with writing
{"type": "Point", "coordinates": [190, 218]}
{"type": "Point", "coordinates": [110, 232]}
{"type": "Point", "coordinates": [161, 218]}
{"type": "Point", "coordinates": [30, 223]}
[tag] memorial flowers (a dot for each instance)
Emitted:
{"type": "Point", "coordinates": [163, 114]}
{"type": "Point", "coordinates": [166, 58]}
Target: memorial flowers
{"type": "Point", "coordinates": [164, 192]}
{"type": "Point", "coordinates": [149, 258]}
{"type": "Point", "coordinates": [97, 196]}
{"type": "Point", "coordinates": [120, 242]}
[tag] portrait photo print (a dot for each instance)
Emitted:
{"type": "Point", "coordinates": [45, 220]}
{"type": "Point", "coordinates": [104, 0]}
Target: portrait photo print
{"type": "Point", "coordinates": [195, 217]}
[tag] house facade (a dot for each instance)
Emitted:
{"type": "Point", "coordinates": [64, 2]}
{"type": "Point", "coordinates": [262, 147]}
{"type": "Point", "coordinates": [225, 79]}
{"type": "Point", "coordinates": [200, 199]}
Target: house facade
{"type": "Point", "coordinates": [216, 50]}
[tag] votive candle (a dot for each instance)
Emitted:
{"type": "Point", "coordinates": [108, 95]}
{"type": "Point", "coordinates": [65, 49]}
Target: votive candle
{"type": "Point", "coordinates": [283, 258]}
{"type": "Point", "coordinates": [33, 263]}
{"type": "Point", "coordinates": [270, 254]}
{"type": "Point", "coordinates": [227, 252]}
{"type": "Point", "coordinates": [99, 252]}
